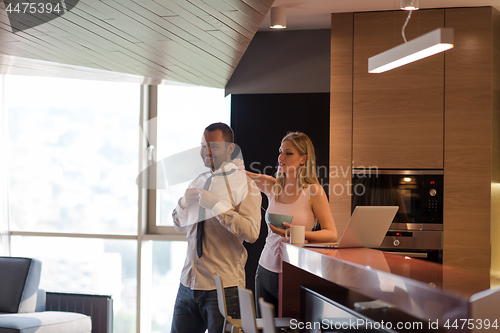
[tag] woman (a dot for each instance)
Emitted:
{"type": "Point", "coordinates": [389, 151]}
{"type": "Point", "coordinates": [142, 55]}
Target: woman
{"type": "Point", "coordinates": [295, 191]}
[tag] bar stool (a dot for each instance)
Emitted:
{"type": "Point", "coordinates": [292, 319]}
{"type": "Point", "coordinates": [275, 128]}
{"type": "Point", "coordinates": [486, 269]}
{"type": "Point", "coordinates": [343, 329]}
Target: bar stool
{"type": "Point", "coordinates": [267, 312]}
{"type": "Point", "coordinates": [234, 325]}
{"type": "Point", "coordinates": [230, 324]}
{"type": "Point", "coordinates": [247, 310]}
{"type": "Point", "coordinates": [249, 322]}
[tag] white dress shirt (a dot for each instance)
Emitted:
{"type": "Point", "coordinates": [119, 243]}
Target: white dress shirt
{"type": "Point", "coordinates": [225, 228]}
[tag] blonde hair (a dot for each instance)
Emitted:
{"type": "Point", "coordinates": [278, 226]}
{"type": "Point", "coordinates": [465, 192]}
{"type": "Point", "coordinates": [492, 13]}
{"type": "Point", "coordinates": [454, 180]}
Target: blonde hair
{"type": "Point", "coordinates": [307, 171]}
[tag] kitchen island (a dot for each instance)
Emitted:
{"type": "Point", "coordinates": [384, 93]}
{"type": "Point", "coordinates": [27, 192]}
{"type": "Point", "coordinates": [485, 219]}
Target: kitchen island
{"type": "Point", "coordinates": [442, 298]}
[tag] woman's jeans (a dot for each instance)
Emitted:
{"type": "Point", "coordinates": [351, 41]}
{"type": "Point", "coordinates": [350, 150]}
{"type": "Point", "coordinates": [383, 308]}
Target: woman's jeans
{"type": "Point", "coordinates": [266, 286]}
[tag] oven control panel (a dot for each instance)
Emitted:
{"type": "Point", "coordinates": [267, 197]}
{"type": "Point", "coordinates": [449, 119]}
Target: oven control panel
{"type": "Point", "coordinates": [432, 199]}
{"type": "Point", "coordinates": [413, 240]}
{"type": "Point", "coordinates": [400, 233]}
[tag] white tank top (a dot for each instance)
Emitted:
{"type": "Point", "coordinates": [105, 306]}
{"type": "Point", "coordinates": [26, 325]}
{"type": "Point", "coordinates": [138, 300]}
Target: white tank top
{"type": "Point", "coordinates": [270, 257]}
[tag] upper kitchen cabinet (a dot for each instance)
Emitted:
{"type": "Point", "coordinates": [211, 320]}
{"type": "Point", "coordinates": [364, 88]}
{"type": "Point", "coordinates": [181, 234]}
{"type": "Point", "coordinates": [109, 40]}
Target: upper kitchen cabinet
{"type": "Point", "coordinates": [397, 115]}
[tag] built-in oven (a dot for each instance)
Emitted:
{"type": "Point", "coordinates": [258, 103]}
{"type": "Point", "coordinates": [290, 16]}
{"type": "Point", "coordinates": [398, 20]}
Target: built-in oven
{"type": "Point", "coordinates": [417, 228]}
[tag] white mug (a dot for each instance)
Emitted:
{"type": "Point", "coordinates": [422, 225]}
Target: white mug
{"type": "Point", "coordinates": [297, 234]}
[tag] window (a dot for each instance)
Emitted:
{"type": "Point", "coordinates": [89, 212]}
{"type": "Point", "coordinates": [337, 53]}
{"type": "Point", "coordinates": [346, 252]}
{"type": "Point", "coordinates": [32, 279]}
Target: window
{"type": "Point", "coordinates": [183, 114]}
{"type": "Point", "coordinates": [73, 155]}
{"type": "Point", "coordinates": [168, 260]}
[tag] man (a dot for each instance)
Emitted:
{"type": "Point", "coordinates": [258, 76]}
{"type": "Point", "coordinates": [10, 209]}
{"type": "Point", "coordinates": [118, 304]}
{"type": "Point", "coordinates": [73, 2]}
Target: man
{"type": "Point", "coordinates": [220, 209]}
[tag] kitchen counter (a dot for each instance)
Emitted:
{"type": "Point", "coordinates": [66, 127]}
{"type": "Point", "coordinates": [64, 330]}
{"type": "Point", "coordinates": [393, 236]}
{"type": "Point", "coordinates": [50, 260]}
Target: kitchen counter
{"type": "Point", "coordinates": [424, 290]}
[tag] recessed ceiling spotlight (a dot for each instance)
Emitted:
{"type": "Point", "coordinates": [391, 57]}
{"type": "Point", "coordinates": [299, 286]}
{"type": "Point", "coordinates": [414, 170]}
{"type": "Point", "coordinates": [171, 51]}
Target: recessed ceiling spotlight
{"type": "Point", "coordinates": [410, 4]}
{"type": "Point", "coordinates": [278, 17]}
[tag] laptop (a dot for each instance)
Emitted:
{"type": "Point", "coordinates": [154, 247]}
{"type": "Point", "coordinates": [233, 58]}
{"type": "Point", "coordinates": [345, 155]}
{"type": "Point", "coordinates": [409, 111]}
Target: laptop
{"type": "Point", "coordinates": [367, 227]}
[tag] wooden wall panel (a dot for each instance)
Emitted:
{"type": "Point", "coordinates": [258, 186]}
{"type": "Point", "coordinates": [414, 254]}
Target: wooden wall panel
{"type": "Point", "coordinates": [495, 154]}
{"type": "Point", "coordinates": [468, 135]}
{"type": "Point", "coordinates": [397, 115]}
{"type": "Point", "coordinates": [341, 118]}
{"type": "Point", "coordinates": [495, 235]}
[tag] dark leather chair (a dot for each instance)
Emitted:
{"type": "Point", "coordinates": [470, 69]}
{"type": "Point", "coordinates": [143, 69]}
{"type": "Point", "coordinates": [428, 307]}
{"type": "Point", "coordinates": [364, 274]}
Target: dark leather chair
{"type": "Point", "coordinates": [22, 303]}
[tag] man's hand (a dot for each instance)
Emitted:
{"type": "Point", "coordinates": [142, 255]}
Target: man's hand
{"type": "Point", "coordinates": [191, 196]}
{"type": "Point", "coordinates": [207, 199]}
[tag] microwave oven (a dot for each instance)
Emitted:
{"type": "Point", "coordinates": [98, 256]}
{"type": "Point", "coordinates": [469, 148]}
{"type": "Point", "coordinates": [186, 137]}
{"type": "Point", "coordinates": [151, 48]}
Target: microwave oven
{"type": "Point", "coordinates": [417, 227]}
{"type": "Point", "coordinates": [418, 193]}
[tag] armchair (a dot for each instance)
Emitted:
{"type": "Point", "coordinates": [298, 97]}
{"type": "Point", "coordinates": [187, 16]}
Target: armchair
{"type": "Point", "coordinates": [23, 305]}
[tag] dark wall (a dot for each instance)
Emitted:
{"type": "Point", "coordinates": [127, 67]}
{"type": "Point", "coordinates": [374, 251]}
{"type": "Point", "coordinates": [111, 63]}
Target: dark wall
{"type": "Point", "coordinates": [259, 122]}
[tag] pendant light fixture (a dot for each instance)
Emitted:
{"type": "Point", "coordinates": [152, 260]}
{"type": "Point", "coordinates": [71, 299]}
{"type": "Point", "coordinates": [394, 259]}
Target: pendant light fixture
{"type": "Point", "coordinates": [436, 41]}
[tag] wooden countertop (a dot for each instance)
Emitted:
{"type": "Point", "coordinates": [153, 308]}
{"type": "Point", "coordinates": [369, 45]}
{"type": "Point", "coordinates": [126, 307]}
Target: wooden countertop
{"type": "Point", "coordinates": [415, 286]}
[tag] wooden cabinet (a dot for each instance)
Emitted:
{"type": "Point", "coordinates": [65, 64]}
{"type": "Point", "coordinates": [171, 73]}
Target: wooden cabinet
{"type": "Point", "coordinates": [397, 115]}
{"type": "Point", "coordinates": [341, 118]}
{"type": "Point", "coordinates": [469, 139]}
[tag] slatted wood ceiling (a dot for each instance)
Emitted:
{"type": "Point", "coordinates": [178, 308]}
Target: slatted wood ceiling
{"type": "Point", "coordinates": [189, 41]}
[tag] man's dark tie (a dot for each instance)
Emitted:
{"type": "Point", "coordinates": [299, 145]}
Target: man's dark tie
{"type": "Point", "coordinates": [201, 215]}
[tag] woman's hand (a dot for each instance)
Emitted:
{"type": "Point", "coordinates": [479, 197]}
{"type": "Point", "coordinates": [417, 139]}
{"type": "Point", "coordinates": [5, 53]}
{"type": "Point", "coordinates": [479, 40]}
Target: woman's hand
{"type": "Point", "coordinates": [281, 232]}
{"type": "Point", "coordinates": [322, 211]}
{"type": "Point", "coordinates": [239, 163]}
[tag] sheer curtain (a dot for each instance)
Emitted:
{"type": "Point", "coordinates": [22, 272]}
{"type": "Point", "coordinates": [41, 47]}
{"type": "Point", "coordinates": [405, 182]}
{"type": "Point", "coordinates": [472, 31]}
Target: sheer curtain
{"type": "Point", "coordinates": [4, 167]}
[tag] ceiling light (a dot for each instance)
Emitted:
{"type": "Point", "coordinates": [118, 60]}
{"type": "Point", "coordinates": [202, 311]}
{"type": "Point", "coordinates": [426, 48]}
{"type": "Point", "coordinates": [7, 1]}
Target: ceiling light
{"type": "Point", "coordinates": [278, 17]}
{"type": "Point", "coordinates": [436, 41]}
{"type": "Point", "coordinates": [410, 4]}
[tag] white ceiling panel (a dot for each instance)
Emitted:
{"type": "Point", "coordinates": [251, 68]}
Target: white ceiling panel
{"type": "Point", "coordinates": [190, 41]}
